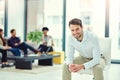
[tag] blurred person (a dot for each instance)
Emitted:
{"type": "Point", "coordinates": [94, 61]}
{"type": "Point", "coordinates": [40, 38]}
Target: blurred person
{"type": "Point", "coordinates": [15, 42]}
{"type": "Point", "coordinates": [47, 41]}
{"type": "Point", "coordinates": [4, 48]}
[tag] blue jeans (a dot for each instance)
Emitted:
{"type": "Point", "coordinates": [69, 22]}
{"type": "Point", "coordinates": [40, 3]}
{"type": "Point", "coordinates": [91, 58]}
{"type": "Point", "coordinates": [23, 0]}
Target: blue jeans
{"type": "Point", "coordinates": [15, 51]}
{"type": "Point", "coordinates": [23, 46]}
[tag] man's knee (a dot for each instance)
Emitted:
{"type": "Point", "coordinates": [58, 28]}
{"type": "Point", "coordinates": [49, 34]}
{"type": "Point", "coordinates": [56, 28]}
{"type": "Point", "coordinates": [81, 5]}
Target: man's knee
{"type": "Point", "coordinates": [98, 68]}
{"type": "Point", "coordinates": [24, 44]}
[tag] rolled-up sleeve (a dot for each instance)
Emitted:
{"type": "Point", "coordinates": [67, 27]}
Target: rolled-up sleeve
{"type": "Point", "coordinates": [96, 55]}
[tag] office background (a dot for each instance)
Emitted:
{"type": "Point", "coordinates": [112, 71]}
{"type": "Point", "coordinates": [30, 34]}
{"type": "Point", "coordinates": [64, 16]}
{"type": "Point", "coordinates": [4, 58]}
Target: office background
{"type": "Point", "coordinates": [100, 16]}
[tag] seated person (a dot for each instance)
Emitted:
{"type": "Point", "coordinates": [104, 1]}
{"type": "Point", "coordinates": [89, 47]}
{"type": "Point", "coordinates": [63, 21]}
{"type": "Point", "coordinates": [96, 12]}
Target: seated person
{"type": "Point", "coordinates": [15, 42]}
{"type": "Point", "coordinates": [47, 41]}
{"type": "Point", "coordinates": [4, 48]}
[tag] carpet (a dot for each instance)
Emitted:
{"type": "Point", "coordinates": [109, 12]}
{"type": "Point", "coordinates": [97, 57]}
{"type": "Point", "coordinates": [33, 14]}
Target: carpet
{"type": "Point", "coordinates": [35, 69]}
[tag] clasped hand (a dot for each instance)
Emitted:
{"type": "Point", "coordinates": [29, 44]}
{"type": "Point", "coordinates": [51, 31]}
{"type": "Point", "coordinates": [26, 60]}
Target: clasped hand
{"type": "Point", "coordinates": [75, 67]}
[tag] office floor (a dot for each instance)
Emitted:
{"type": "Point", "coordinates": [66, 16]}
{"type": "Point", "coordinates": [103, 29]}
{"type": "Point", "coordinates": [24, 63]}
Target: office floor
{"type": "Point", "coordinates": [111, 74]}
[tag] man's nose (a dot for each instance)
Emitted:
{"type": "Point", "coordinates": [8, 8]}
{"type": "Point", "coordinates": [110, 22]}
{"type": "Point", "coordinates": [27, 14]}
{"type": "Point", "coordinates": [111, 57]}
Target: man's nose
{"type": "Point", "coordinates": [74, 32]}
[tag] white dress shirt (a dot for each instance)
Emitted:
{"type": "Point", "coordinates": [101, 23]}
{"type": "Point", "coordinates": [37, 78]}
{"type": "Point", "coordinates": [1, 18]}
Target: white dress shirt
{"type": "Point", "coordinates": [88, 48]}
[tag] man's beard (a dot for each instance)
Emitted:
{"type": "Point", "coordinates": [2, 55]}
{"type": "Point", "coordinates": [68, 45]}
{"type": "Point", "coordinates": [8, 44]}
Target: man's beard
{"type": "Point", "coordinates": [77, 36]}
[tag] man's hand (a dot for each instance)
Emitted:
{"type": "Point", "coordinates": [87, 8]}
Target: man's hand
{"type": "Point", "coordinates": [6, 47]}
{"type": "Point", "coordinates": [9, 47]}
{"type": "Point", "coordinates": [45, 43]}
{"type": "Point", "coordinates": [75, 67]}
{"type": "Point", "coordinates": [16, 44]}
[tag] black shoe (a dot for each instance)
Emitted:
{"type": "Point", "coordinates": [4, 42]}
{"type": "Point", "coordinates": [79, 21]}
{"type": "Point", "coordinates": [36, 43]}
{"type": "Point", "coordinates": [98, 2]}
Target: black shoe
{"type": "Point", "coordinates": [44, 54]}
{"type": "Point", "coordinates": [8, 65]}
{"type": "Point", "coordinates": [3, 65]}
{"type": "Point", "coordinates": [25, 55]}
{"type": "Point", "coordinates": [33, 61]}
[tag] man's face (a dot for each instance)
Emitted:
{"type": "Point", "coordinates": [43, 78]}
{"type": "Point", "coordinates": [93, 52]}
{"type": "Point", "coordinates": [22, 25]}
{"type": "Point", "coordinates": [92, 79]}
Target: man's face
{"type": "Point", "coordinates": [45, 32]}
{"type": "Point", "coordinates": [76, 30]}
{"type": "Point", "coordinates": [13, 33]}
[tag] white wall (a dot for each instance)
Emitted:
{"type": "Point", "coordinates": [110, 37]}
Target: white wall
{"type": "Point", "coordinates": [114, 28]}
{"type": "Point", "coordinates": [35, 15]}
{"type": "Point", "coordinates": [16, 17]}
{"type": "Point", "coordinates": [98, 17]}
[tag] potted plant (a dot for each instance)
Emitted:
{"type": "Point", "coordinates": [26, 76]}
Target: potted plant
{"type": "Point", "coordinates": [35, 36]}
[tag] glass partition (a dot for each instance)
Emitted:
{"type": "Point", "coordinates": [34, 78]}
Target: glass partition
{"type": "Point", "coordinates": [115, 28]}
{"type": "Point", "coordinates": [16, 17]}
{"type": "Point", "coordinates": [45, 13]}
{"type": "Point", "coordinates": [2, 12]}
{"type": "Point", "coordinates": [90, 11]}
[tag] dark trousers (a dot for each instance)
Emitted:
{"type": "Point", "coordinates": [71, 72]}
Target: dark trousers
{"type": "Point", "coordinates": [15, 51]}
{"type": "Point", "coordinates": [43, 48]}
{"type": "Point", "coordinates": [23, 46]}
{"type": "Point", "coordinates": [4, 55]}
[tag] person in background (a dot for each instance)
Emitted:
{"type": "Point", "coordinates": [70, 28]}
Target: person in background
{"type": "Point", "coordinates": [90, 56]}
{"type": "Point", "coordinates": [47, 41]}
{"type": "Point", "coordinates": [4, 48]}
{"type": "Point", "coordinates": [15, 42]}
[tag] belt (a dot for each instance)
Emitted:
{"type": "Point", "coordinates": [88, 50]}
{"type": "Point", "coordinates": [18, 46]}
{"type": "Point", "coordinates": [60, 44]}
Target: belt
{"type": "Point", "coordinates": [101, 55]}
{"type": "Point", "coordinates": [89, 58]}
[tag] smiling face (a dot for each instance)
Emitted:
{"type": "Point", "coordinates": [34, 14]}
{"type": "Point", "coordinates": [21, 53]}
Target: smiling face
{"type": "Point", "coordinates": [76, 30]}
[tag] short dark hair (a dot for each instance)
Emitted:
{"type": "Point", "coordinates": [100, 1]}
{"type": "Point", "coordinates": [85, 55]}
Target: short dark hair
{"type": "Point", "coordinates": [12, 30]}
{"type": "Point", "coordinates": [45, 28]}
{"type": "Point", "coordinates": [76, 21]}
{"type": "Point", "coordinates": [1, 30]}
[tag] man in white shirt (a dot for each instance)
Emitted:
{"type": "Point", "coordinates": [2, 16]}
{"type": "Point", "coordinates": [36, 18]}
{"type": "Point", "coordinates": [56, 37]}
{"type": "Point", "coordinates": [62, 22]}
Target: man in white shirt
{"type": "Point", "coordinates": [87, 44]}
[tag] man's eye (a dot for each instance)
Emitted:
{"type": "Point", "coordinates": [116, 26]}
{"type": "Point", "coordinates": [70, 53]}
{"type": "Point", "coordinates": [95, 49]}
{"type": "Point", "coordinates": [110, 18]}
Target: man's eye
{"type": "Point", "coordinates": [77, 29]}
